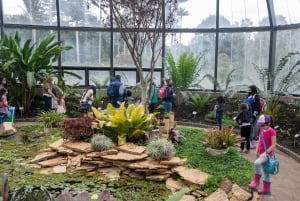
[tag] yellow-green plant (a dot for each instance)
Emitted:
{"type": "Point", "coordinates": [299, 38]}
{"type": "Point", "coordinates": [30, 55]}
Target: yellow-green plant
{"type": "Point", "coordinates": [221, 139]}
{"type": "Point", "coordinates": [128, 123]}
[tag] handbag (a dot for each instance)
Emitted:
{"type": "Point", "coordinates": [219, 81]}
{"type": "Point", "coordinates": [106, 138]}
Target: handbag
{"type": "Point", "coordinates": [272, 164]}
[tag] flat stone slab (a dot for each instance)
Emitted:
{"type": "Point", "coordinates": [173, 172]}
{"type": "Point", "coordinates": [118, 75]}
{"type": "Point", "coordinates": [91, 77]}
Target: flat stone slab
{"type": "Point", "coordinates": [44, 156]}
{"type": "Point", "coordinates": [132, 148]}
{"type": "Point", "coordinates": [188, 198]}
{"type": "Point", "coordinates": [82, 147]}
{"type": "Point", "coordinates": [174, 161]}
{"type": "Point", "coordinates": [56, 144]}
{"type": "Point", "coordinates": [65, 151]}
{"type": "Point", "coordinates": [53, 162]}
{"type": "Point", "coordinates": [157, 177]}
{"type": "Point", "coordinates": [147, 164]}
{"type": "Point", "coordinates": [60, 169]}
{"type": "Point", "coordinates": [112, 173]}
{"type": "Point", "coordinates": [218, 195]}
{"type": "Point", "coordinates": [97, 154]}
{"type": "Point", "coordinates": [87, 167]}
{"type": "Point", "coordinates": [174, 185]}
{"type": "Point", "coordinates": [194, 176]}
{"type": "Point", "coordinates": [7, 129]}
{"type": "Point", "coordinates": [122, 156]}
{"type": "Point", "coordinates": [239, 193]}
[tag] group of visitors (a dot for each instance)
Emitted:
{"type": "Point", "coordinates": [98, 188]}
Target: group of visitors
{"type": "Point", "coordinates": [253, 126]}
{"type": "Point", "coordinates": [53, 98]}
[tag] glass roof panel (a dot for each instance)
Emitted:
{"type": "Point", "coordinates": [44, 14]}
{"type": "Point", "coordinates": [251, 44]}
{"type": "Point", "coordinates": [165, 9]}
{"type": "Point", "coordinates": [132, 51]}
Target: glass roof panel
{"type": "Point", "coordinates": [287, 12]}
{"type": "Point", "coordinates": [193, 14]}
{"type": "Point", "coordinates": [243, 13]}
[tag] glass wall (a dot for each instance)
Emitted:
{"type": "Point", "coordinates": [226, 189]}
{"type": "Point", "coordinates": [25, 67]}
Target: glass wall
{"type": "Point", "coordinates": [234, 37]}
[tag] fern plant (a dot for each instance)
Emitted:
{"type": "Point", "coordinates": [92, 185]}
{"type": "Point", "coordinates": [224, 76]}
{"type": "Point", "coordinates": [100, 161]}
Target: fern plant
{"type": "Point", "coordinates": [185, 71]}
{"type": "Point", "coordinates": [198, 101]}
{"type": "Point", "coordinates": [283, 80]}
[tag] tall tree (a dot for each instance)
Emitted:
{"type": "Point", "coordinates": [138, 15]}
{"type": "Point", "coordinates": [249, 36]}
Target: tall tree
{"type": "Point", "coordinates": [141, 25]}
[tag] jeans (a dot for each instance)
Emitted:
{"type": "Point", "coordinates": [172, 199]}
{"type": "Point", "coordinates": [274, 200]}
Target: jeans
{"type": "Point", "coordinates": [254, 131]}
{"type": "Point", "coordinates": [219, 121]}
{"type": "Point", "coordinates": [258, 165]}
{"type": "Point", "coordinates": [167, 106]}
{"type": "Point", "coordinates": [48, 103]}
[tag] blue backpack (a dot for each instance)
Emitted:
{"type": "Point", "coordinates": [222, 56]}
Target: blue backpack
{"type": "Point", "coordinates": [113, 89]}
{"type": "Point", "coordinates": [250, 102]}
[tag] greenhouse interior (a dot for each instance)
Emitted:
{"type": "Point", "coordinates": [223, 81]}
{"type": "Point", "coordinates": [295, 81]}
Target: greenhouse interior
{"type": "Point", "coordinates": [186, 68]}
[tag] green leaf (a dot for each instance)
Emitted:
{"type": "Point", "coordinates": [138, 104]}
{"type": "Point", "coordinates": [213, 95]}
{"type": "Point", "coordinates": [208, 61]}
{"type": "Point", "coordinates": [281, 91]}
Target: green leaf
{"type": "Point", "coordinates": [178, 195]}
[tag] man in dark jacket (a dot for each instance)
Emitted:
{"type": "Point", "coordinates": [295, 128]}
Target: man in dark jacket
{"type": "Point", "coordinates": [255, 108]}
{"type": "Point", "coordinates": [113, 92]}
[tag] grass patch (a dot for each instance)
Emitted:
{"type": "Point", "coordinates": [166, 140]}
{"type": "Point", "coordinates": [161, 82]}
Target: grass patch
{"type": "Point", "coordinates": [230, 165]}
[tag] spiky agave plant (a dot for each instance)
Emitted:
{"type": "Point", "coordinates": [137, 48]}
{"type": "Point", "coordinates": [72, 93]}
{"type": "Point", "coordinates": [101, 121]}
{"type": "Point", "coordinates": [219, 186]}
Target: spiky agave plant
{"type": "Point", "coordinates": [101, 143]}
{"type": "Point", "coordinates": [160, 149]}
{"type": "Point", "coordinates": [32, 194]}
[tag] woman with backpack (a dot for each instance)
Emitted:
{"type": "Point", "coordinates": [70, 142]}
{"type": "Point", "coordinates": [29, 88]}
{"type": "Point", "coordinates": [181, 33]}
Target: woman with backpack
{"type": "Point", "coordinates": [169, 97]}
{"type": "Point", "coordinates": [253, 99]}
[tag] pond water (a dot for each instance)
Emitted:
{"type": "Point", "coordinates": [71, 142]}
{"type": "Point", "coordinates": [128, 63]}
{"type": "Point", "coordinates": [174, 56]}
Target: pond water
{"type": "Point", "coordinates": [15, 154]}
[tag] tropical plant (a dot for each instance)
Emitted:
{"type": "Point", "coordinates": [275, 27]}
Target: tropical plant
{"type": "Point", "coordinates": [283, 80]}
{"type": "Point", "coordinates": [101, 143]}
{"type": "Point", "coordinates": [26, 65]}
{"type": "Point", "coordinates": [175, 136]}
{"type": "Point", "coordinates": [160, 149]}
{"type": "Point", "coordinates": [221, 139]}
{"type": "Point", "coordinates": [50, 118]}
{"type": "Point", "coordinates": [77, 129]}
{"type": "Point", "coordinates": [185, 71]}
{"type": "Point", "coordinates": [137, 32]}
{"type": "Point", "coordinates": [124, 123]}
{"type": "Point", "coordinates": [99, 96]}
{"type": "Point", "coordinates": [199, 101]}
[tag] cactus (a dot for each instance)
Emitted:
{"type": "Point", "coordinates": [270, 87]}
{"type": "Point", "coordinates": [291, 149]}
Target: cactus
{"type": "Point", "coordinates": [160, 149]}
{"type": "Point", "coordinates": [101, 143]}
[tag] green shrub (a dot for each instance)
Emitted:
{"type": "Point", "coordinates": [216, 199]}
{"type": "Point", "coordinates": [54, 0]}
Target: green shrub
{"type": "Point", "coordinates": [160, 149]}
{"type": "Point", "coordinates": [101, 143]}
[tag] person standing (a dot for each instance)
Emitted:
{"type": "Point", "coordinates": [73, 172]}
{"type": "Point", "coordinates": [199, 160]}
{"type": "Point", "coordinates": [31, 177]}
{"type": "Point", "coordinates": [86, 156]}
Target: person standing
{"type": "Point", "coordinates": [61, 104]}
{"type": "Point", "coordinates": [245, 119]}
{"type": "Point", "coordinates": [113, 92]}
{"type": "Point", "coordinates": [88, 97]}
{"type": "Point", "coordinates": [253, 99]}
{"type": "Point", "coordinates": [219, 108]}
{"type": "Point", "coordinates": [268, 135]}
{"type": "Point", "coordinates": [153, 98]}
{"type": "Point", "coordinates": [169, 98]}
{"type": "Point", "coordinates": [48, 95]}
{"type": "Point", "coordinates": [4, 108]}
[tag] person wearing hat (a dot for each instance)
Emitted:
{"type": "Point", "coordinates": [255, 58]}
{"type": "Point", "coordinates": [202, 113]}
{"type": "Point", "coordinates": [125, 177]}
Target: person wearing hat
{"type": "Point", "coordinates": [266, 131]}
